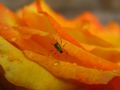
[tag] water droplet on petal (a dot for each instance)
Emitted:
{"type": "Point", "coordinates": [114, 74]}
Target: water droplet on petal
{"type": "Point", "coordinates": [75, 64]}
{"type": "Point", "coordinates": [13, 39]}
{"type": "Point", "coordinates": [56, 63]}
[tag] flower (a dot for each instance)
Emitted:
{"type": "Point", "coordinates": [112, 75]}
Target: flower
{"type": "Point", "coordinates": [42, 50]}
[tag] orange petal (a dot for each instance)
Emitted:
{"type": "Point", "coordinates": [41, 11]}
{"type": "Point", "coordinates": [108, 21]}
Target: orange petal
{"type": "Point", "coordinates": [8, 17]}
{"type": "Point", "coordinates": [15, 37]}
{"type": "Point", "coordinates": [86, 59]}
{"type": "Point", "coordinates": [90, 18]}
{"type": "Point", "coordinates": [111, 54]}
{"type": "Point", "coordinates": [44, 22]}
{"type": "Point", "coordinates": [85, 35]}
{"type": "Point", "coordinates": [37, 21]}
{"type": "Point", "coordinates": [71, 71]}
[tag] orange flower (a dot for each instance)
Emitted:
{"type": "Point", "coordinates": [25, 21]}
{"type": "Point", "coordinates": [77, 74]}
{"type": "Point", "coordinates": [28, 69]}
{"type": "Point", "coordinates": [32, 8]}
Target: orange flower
{"type": "Point", "coordinates": [78, 53]}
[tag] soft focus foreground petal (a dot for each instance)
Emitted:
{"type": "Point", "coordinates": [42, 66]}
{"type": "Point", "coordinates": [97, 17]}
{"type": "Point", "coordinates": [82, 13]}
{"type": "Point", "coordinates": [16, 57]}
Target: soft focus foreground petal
{"type": "Point", "coordinates": [5, 84]}
{"type": "Point", "coordinates": [22, 72]}
{"type": "Point", "coordinates": [71, 71]}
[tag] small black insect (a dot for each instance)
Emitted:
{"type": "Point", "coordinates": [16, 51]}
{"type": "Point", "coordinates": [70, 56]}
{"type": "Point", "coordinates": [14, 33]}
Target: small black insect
{"type": "Point", "coordinates": [58, 47]}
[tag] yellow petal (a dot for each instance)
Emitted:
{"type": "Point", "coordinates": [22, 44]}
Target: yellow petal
{"type": "Point", "coordinates": [23, 72]}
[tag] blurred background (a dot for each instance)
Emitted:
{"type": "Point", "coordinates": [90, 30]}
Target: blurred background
{"type": "Point", "coordinates": [105, 10]}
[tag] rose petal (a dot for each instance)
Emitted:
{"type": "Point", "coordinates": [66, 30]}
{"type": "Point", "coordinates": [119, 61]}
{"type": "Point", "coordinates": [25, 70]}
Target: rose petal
{"type": "Point", "coordinates": [8, 17]}
{"type": "Point", "coordinates": [22, 72]}
{"type": "Point", "coordinates": [71, 71]}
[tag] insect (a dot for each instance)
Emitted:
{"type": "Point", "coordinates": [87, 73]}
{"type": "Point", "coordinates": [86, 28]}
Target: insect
{"type": "Point", "coordinates": [58, 47]}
